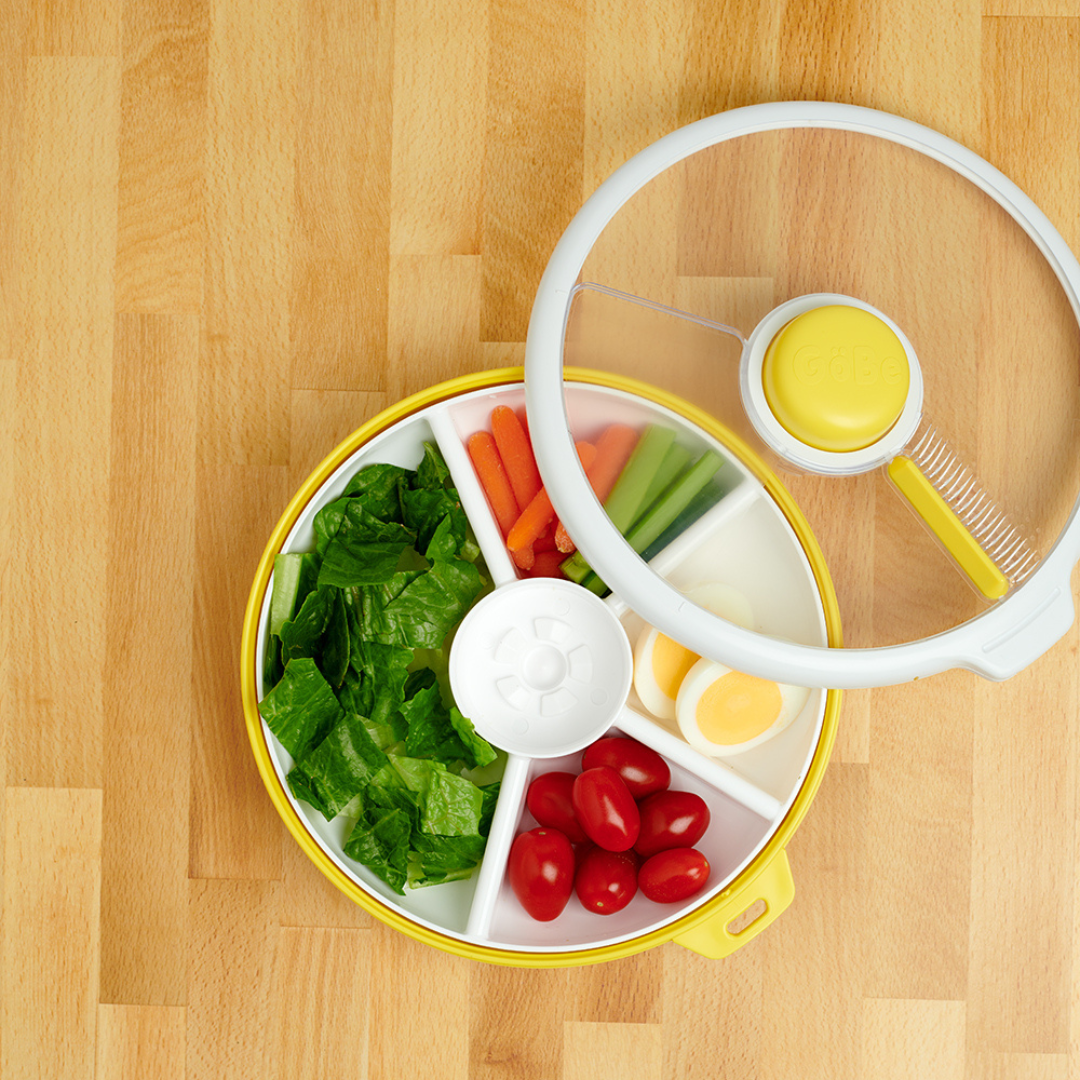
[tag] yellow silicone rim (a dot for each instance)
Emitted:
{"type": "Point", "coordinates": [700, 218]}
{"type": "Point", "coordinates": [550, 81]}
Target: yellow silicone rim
{"type": "Point", "coordinates": [491, 954]}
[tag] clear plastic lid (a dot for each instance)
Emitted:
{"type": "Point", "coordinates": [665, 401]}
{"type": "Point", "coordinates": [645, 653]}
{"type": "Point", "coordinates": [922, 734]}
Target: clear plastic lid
{"type": "Point", "coordinates": [942, 484]}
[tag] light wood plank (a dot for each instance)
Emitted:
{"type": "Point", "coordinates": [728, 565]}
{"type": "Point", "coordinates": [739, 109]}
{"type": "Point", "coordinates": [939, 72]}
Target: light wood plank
{"type": "Point", "coordinates": [161, 244]}
{"type": "Point", "coordinates": [814, 965]}
{"type": "Point", "coordinates": [726, 67]}
{"type": "Point", "coordinates": [919, 833]}
{"type": "Point", "coordinates": [438, 1003]}
{"type": "Point", "coordinates": [826, 51]}
{"type": "Point", "coordinates": [144, 1041]}
{"type": "Point", "coordinates": [232, 835]}
{"type": "Point", "coordinates": [516, 1022]}
{"type": "Point", "coordinates": [437, 188]}
{"type": "Point", "coordinates": [626, 106]}
{"type": "Point", "coordinates": [522, 223]}
{"type": "Point", "coordinates": [908, 1040]}
{"type": "Point", "coordinates": [251, 125]}
{"type": "Point", "coordinates": [325, 1002]}
{"type": "Point", "coordinates": [338, 301]}
{"type": "Point", "coordinates": [13, 34]}
{"type": "Point", "coordinates": [68, 240]}
{"type": "Point", "coordinates": [622, 992]}
{"type": "Point", "coordinates": [719, 1033]}
{"type": "Point", "coordinates": [146, 772]}
{"type": "Point", "coordinates": [234, 998]}
{"type": "Point", "coordinates": [51, 941]}
{"type": "Point", "coordinates": [1023, 879]}
{"type": "Point", "coordinates": [910, 28]}
{"type": "Point", "coordinates": [308, 898]}
{"type": "Point", "coordinates": [1019, 1067]}
{"type": "Point", "coordinates": [434, 326]}
{"type": "Point", "coordinates": [74, 28]}
{"type": "Point", "coordinates": [611, 1052]}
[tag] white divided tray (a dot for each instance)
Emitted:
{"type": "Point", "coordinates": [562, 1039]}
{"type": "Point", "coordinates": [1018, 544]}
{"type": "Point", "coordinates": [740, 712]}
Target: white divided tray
{"type": "Point", "coordinates": [744, 541]}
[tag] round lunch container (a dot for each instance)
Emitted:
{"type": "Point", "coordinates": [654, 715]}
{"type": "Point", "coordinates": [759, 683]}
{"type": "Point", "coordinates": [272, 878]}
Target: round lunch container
{"type": "Point", "coordinates": [752, 540]}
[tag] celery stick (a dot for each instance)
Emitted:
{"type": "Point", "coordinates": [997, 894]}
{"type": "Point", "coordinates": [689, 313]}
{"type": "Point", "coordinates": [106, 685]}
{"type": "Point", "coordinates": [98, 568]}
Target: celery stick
{"type": "Point", "coordinates": [594, 584]}
{"type": "Point", "coordinates": [675, 460]}
{"type": "Point", "coordinates": [672, 503]}
{"type": "Point", "coordinates": [627, 497]}
{"type": "Point", "coordinates": [703, 502]}
{"type": "Point", "coordinates": [665, 511]}
{"type": "Point", "coordinates": [294, 577]}
{"type": "Point", "coordinates": [575, 567]}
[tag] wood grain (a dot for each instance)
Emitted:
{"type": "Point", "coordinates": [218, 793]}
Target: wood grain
{"type": "Point", "coordinates": [230, 233]}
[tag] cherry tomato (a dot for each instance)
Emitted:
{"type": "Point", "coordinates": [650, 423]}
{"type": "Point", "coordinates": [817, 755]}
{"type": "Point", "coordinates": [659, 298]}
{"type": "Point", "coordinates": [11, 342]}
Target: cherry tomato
{"type": "Point", "coordinates": [549, 802]}
{"type": "Point", "coordinates": [642, 769]}
{"type": "Point", "coordinates": [671, 819]}
{"type": "Point", "coordinates": [606, 881]}
{"type": "Point", "coordinates": [605, 809]}
{"type": "Point", "coordinates": [541, 872]}
{"type": "Point", "coordinates": [673, 875]}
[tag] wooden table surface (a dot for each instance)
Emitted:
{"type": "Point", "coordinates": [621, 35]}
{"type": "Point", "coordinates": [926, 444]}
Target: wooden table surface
{"type": "Point", "coordinates": [230, 232]}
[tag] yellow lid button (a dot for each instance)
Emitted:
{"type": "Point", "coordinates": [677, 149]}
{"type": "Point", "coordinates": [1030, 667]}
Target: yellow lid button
{"type": "Point", "coordinates": [836, 378]}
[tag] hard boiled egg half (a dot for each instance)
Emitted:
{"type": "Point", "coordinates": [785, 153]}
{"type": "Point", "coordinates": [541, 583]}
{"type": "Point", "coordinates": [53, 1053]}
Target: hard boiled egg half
{"type": "Point", "coordinates": [661, 664]}
{"type": "Point", "coordinates": [723, 712]}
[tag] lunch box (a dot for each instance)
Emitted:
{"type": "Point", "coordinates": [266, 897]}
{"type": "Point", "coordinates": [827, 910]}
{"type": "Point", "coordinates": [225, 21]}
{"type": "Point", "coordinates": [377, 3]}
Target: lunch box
{"type": "Point", "coordinates": [754, 538]}
{"type": "Point", "coordinates": [937, 272]}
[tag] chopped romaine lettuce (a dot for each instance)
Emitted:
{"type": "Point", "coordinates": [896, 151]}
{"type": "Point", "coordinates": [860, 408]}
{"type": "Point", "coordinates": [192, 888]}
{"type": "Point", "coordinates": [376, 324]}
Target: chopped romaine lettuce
{"type": "Point", "coordinates": [358, 657]}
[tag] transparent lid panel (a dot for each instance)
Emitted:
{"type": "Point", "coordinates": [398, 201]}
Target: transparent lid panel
{"type": "Point", "coordinates": [690, 265]}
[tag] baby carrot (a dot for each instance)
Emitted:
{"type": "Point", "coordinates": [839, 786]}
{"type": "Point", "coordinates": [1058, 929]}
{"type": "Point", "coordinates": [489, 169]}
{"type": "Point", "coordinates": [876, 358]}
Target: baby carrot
{"type": "Point", "coordinates": [493, 478]}
{"type": "Point", "coordinates": [516, 454]}
{"type": "Point", "coordinates": [537, 516]}
{"type": "Point", "coordinates": [613, 450]}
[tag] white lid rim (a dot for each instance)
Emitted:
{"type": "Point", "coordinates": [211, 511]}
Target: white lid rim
{"type": "Point", "coordinates": [991, 644]}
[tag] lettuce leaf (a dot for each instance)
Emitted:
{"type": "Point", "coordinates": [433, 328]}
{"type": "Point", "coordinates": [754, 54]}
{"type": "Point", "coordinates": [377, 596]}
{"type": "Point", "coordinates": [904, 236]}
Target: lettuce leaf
{"type": "Point", "coordinates": [378, 488]}
{"type": "Point", "coordinates": [434, 860]}
{"type": "Point", "coordinates": [365, 550]}
{"type": "Point", "coordinates": [478, 751]}
{"type": "Point", "coordinates": [339, 768]}
{"type": "Point", "coordinates": [302, 708]}
{"type": "Point", "coordinates": [430, 605]}
{"type": "Point", "coordinates": [432, 471]}
{"type": "Point", "coordinates": [380, 840]}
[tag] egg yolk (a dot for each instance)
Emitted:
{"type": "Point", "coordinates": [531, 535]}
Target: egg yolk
{"type": "Point", "coordinates": [737, 707]}
{"type": "Point", "coordinates": [670, 663]}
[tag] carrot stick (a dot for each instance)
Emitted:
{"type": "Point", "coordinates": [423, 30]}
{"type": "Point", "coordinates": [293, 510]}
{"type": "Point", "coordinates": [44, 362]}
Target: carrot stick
{"type": "Point", "coordinates": [613, 450]}
{"type": "Point", "coordinates": [563, 542]}
{"type": "Point", "coordinates": [547, 564]}
{"type": "Point", "coordinates": [493, 478]}
{"type": "Point", "coordinates": [536, 517]}
{"type": "Point", "coordinates": [516, 454]}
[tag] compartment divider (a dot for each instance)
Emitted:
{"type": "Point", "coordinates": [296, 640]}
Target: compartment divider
{"type": "Point", "coordinates": [718, 775]}
{"type": "Point", "coordinates": [501, 836]}
{"type": "Point", "coordinates": [473, 500]}
{"type": "Point", "coordinates": [734, 503]}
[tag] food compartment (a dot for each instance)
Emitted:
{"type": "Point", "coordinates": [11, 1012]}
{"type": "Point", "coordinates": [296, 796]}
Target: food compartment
{"type": "Point", "coordinates": [747, 546]}
{"type": "Point", "coordinates": [735, 833]}
{"type": "Point", "coordinates": [595, 416]}
{"type": "Point", "coordinates": [445, 906]}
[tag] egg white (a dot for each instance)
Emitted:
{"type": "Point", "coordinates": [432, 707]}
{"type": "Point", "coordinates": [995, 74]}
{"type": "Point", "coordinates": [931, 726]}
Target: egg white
{"type": "Point", "coordinates": [698, 680]}
{"type": "Point", "coordinates": [715, 596]}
